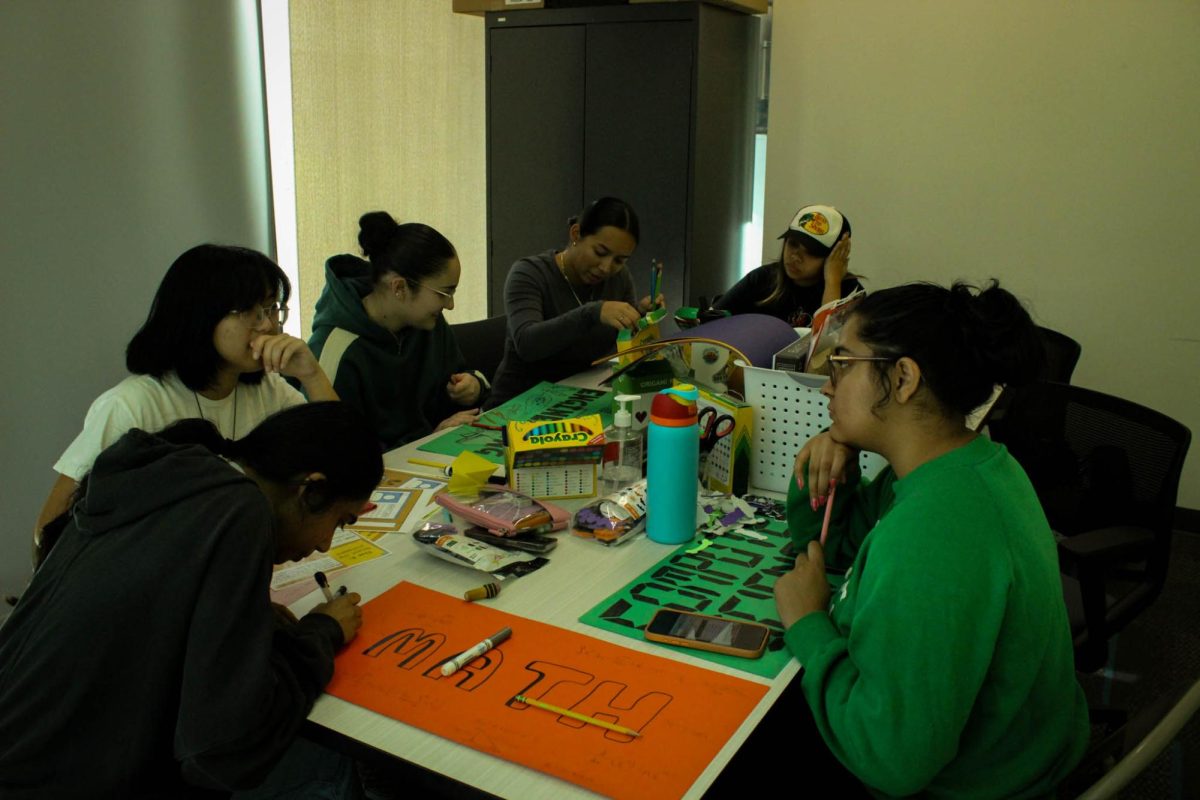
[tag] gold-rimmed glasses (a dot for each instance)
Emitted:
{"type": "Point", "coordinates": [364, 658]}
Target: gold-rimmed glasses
{"type": "Point", "coordinates": [839, 364]}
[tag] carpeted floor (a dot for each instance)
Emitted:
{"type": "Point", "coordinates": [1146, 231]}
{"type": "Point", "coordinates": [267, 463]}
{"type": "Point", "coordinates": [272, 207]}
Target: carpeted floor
{"type": "Point", "coordinates": [1152, 662]}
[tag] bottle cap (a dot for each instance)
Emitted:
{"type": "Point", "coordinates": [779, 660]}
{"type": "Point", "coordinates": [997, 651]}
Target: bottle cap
{"type": "Point", "coordinates": [675, 407]}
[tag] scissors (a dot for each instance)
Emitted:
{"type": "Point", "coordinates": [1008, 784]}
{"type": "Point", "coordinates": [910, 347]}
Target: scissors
{"type": "Point", "coordinates": [713, 428]}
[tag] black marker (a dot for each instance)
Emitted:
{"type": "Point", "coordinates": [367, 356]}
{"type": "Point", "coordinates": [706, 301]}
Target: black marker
{"type": "Point", "coordinates": [324, 584]}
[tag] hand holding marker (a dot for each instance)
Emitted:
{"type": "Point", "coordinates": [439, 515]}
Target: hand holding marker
{"type": "Point", "coordinates": [323, 582]}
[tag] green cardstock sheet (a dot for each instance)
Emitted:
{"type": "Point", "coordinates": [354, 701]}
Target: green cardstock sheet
{"type": "Point", "coordinates": [549, 401]}
{"type": "Point", "coordinates": [733, 576]}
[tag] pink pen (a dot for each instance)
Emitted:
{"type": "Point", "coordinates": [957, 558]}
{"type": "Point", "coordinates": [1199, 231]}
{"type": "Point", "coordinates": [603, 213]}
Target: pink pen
{"type": "Point", "coordinates": [828, 510]}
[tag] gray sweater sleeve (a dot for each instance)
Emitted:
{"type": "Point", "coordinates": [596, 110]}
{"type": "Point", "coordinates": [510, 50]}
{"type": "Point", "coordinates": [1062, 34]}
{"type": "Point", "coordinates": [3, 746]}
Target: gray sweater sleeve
{"type": "Point", "coordinates": [544, 317]}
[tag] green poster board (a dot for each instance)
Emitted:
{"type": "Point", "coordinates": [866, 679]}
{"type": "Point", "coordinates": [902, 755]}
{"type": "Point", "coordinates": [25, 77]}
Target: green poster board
{"type": "Point", "coordinates": [732, 577]}
{"type": "Point", "coordinates": [545, 401]}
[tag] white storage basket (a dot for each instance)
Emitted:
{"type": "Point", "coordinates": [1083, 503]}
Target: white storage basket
{"type": "Point", "coordinates": [789, 409]}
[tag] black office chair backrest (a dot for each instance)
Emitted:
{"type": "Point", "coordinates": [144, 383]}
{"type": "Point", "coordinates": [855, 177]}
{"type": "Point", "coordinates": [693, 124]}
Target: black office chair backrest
{"type": "Point", "coordinates": [1094, 459]}
{"type": "Point", "coordinates": [482, 343]}
{"type": "Point", "coordinates": [1062, 354]}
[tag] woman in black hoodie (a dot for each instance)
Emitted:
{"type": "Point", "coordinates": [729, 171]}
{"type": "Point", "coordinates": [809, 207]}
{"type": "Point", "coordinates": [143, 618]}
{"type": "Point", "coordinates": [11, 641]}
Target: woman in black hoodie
{"type": "Point", "coordinates": [146, 659]}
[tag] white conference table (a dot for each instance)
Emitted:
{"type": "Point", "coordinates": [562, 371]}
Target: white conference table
{"type": "Point", "coordinates": [580, 574]}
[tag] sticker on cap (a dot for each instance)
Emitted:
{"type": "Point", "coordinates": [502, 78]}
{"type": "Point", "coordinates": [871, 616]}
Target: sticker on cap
{"type": "Point", "coordinates": [814, 222]}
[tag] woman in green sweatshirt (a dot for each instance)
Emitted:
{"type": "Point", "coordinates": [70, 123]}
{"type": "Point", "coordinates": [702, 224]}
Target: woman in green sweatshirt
{"type": "Point", "coordinates": [943, 666]}
{"type": "Point", "coordinates": [381, 338]}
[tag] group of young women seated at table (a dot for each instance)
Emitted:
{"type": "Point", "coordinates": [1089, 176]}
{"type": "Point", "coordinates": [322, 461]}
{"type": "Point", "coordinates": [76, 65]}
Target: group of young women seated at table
{"type": "Point", "coordinates": [942, 664]}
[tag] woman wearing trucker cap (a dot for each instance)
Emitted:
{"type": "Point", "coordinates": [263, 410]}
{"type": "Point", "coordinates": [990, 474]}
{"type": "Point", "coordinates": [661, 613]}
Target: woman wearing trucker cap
{"type": "Point", "coordinates": [813, 269]}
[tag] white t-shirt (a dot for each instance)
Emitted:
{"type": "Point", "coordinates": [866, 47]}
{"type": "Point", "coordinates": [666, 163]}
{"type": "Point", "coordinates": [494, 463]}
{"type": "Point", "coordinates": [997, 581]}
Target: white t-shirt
{"type": "Point", "coordinates": [141, 401]}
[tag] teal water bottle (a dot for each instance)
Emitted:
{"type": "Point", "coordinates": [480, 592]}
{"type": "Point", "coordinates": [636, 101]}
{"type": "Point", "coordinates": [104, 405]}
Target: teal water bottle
{"type": "Point", "coordinates": [673, 458]}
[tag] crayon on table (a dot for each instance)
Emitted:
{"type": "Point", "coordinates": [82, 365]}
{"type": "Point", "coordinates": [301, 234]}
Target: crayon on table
{"type": "Point", "coordinates": [485, 592]}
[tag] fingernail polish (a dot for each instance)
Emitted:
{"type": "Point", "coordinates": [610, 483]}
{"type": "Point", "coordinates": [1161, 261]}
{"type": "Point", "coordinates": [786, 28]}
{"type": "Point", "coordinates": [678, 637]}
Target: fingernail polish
{"type": "Point", "coordinates": [812, 501]}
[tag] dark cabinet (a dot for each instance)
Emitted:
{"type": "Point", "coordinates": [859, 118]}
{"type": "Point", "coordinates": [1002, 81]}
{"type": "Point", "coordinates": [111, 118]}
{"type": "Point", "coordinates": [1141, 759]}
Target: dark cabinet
{"type": "Point", "coordinates": [650, 103]}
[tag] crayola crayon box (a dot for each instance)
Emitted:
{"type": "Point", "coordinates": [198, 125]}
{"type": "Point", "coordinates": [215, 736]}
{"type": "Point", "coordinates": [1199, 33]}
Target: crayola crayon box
{"type": "Point", "coordinates": [555, 459]}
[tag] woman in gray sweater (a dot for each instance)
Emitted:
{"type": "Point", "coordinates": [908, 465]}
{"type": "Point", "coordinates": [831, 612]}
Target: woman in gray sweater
{"type": "Point", "coordinates": [565, 307]}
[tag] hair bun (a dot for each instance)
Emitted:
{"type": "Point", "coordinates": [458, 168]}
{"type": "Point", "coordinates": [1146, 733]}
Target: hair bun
{"type": "Point", "coordinates": [375, 231]}
{"type": "Point", "coordinates": [1000, 331]}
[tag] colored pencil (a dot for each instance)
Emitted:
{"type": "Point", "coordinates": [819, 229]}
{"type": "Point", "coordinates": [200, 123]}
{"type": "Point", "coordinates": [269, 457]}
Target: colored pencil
{"type": "Point", "coordinates": [828, 510]}
{"type": "Point", "coordinates": [575, 715]}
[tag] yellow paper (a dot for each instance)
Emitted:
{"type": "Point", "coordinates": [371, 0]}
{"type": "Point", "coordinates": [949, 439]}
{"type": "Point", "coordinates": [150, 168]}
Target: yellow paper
{"type": "Point", "coordinates": [469, 473]}
{"type": "Point", "coordinates": [356, 552]}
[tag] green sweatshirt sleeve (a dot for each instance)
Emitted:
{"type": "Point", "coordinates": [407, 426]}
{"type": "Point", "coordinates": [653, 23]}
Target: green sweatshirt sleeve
{"type": "Point", "coordinates": [925, 605]}
{"type": "Point", "coordinates": [856, 507]}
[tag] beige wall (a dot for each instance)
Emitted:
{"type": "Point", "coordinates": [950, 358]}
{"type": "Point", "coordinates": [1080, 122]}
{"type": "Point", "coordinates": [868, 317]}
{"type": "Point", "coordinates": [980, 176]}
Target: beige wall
{"type": "Point", "coordinates": [132, 130]}
{"type": "Point", "coordinates": [1055, 146]}
{"type": "Point", "coordinates": [388, 107]}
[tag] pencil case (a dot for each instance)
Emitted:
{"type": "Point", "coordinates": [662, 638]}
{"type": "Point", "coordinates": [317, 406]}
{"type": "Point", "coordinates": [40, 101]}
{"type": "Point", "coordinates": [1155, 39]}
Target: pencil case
{"type": "Point", "coordinates": [506, 512]}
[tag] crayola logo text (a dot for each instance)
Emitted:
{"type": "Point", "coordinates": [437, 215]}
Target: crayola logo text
{"type": "Point", "coordinates": [558, 433]}
{"type": "Point", "coordinates": [556, 437]}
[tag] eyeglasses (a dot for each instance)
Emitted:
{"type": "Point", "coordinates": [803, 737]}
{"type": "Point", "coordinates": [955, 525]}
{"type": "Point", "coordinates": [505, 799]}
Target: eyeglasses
{"type": "Point", "coordinates": [839, 364]}
{"type": "Point", "coordinates": [447, 296]}
{"type": "Point", "coordinates": [255, 316]}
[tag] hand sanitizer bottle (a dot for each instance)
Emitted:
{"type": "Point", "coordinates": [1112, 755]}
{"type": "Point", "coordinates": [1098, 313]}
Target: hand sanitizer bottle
{"type": "Point", "coordinates": [622, 464]}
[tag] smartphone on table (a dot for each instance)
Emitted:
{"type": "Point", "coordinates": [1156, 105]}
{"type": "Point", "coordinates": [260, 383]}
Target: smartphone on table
{"type": "Point", "coordinates": [704, 632]}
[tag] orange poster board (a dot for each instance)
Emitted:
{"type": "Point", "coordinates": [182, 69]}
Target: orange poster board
{"type": "Point", "coordinates": [684, 714]}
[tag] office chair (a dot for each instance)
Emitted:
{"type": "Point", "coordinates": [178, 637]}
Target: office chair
{"type": "Point", "coordinates": [1060, 354]}
{"type": "Point", "coordinates": [1106, 471]}
{"type": "Point", "coordinates": [1122, 748]}
{"type": "Point", "coordinates": [482, 343]}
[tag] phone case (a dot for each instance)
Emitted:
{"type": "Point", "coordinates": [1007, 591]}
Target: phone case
{"type": "Point", "coordinates": [506, 512]}
{"type": "Point", "coordinates": [711, 646]}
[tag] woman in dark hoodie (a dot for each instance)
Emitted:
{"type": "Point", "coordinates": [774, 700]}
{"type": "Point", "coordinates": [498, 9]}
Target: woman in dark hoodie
{"type": "Point", "coordinates": [145, 659]}
{"type": "Point", "coordinates": [381, 338]}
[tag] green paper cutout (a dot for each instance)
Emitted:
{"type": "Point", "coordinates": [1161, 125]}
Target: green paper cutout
{"type": "Point", "coordinates": [550, 401]}
{"type": "Point", "coordinates": [734, 577]}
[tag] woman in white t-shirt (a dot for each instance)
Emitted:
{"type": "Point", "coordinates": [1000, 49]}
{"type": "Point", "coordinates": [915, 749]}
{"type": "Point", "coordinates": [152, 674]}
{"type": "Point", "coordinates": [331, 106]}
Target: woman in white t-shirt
{"type": "Point", "coordinates": [211, 347]}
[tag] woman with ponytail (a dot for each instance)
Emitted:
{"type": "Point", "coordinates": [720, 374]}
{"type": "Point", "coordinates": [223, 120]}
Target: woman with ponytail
{"type": "Point", "coordinates": [565, 307]}
{"type": "Point", "coordinates": [145, 659]}
{"type": "Point", "coordinates": [381, 337]}
{"type": "Point", "coordinates": [943, 665]}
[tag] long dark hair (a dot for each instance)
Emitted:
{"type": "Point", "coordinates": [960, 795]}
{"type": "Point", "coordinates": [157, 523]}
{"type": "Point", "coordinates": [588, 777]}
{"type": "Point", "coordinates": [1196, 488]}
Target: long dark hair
{"type": "Point", "coordinates": [327, 437]}
{"type": "Point", "coordinates": [200, 289]}
{"type": "Point", "coordinates": [412, 250]}
{"type": "Point", "coordinates": [964, 339]}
